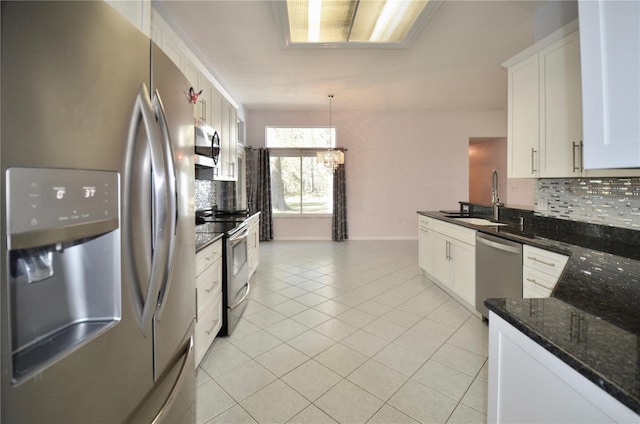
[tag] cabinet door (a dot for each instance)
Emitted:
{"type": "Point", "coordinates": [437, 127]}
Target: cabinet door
{"type": "Point", "coordinates": [610, 58]}
{"type": "Point", "coordinates": [463, 257]}
{"type": "Point", "coordinates": [233, 143]}
{"type": "Point", "coordinates": [529, 384]}
{"type": "Point", "coordinates": [216, 110]}
{"type": "Point", "coordinates": [224, 140]}
{"type": "Point", "coordinates": [522, 118]}
{"type": "Point", "coordinates": [425, 247]}
{"type": "Point", "coordinates": [204, 101]}
{"type": "Point", "coordinates": [442, 268]}
{"type": "Point", "coordinates": [560, 109]}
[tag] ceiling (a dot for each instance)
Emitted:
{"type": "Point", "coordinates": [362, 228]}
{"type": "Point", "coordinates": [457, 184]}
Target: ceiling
{"type": "Point", "coordinates": [454, 63]}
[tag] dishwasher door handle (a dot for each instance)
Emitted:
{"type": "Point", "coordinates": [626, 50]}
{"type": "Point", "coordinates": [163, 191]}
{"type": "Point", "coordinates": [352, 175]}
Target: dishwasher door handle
{"type": "Point", "coordinates": [499, 246]}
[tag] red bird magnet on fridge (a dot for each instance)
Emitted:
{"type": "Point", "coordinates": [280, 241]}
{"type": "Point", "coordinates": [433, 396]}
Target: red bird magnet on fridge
{"type": "Point", "coordinates": [193, 95]}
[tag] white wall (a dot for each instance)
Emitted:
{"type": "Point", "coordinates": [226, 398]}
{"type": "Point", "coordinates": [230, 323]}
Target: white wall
{"type": "Point", "coordinates": [397, 163]}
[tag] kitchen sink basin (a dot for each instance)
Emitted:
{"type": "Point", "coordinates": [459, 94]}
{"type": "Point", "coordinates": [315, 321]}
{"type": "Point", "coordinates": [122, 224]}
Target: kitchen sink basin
{"type": "Point", "coordinates": [479, 221]}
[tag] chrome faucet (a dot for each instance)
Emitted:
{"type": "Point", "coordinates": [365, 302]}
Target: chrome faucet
{"type": "Point", "coordinates": [495, 199]}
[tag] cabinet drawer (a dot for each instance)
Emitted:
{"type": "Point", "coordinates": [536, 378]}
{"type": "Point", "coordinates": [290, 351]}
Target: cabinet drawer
{"type": "Point", "coordinates": [542, 260]}
{"type": "Point", "coordinates": [536, 283]}
{"type": "Point", "coordinates": [538, 278]}
{"type": "Point", "coordinates": [207, 256]}
{"type": "Point", "coordinates": [207, 327]}
{"type": "Point", "coordinates": [460, 233]}
{"type": "Point", "coordinates": [208, 285]}
{"type": "Point", "coordinates": [424, 223]}
{"type": "Point", "coordinates": [533, 291]}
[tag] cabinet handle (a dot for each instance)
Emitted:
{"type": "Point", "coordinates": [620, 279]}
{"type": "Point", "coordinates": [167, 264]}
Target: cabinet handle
{"type": "Point", "coordinates": [215, 283]}
{"type": "Point", "coordinates": [533, 154]}
{"type": "Point", "coordinates": [533, 258]}
{"type": "Point", "coordinates": [212, 327]}
{"type": "Point", "coordinates": [581, 156]}
{"type": "Point", "coordinates": [577, 158]}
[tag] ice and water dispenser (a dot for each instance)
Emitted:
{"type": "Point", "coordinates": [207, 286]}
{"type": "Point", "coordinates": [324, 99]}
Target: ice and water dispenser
{"type": "Point", "coordinates": [63, 256]}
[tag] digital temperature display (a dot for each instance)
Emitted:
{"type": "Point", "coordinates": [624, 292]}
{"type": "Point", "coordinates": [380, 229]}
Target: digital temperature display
{"type": "Point", "coordinates": [89, 191]}
{"type": "Point", "coordinates": [40, 198]}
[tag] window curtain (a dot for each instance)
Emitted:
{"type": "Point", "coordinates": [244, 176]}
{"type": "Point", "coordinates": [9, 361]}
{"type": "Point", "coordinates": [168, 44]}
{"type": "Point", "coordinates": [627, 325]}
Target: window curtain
{"type": "Point", "coordinates": [339, 222]}
{"type": "Point", "coordinates": [259, 190]}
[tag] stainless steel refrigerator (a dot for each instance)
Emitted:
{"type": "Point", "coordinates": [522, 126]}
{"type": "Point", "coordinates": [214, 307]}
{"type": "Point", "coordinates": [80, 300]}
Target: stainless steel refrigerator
{"type": "Point", "coordinates": [97, 294]}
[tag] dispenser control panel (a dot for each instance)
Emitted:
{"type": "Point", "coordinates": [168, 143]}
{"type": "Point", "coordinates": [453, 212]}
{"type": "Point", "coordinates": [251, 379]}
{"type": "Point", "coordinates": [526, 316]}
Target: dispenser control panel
{"type": "Point", "coordinates": [45, 198]}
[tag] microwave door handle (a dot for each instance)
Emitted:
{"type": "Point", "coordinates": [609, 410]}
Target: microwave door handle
{"type": "Point", "coordinates": [172, 197]}
{"type": "Point", "coordinates": [143, 111]}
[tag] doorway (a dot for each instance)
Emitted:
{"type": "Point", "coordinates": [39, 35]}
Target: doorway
{"type": "Point", "coordinates": [485, 155]}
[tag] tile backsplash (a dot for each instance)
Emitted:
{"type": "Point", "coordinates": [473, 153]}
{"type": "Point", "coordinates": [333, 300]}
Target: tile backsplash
{"type": "Point", "coordinates": [606, 201]}
{"type": "Point", "coordinates": [205, 193]}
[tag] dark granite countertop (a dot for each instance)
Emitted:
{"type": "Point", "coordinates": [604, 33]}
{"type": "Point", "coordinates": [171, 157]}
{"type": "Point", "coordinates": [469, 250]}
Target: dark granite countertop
{"type": "Point", "coordinates": [204, 239]}
{"type": "Point", "coordinates": [607, 355]}
{"type": "Point", "coordinates": [600, 282]}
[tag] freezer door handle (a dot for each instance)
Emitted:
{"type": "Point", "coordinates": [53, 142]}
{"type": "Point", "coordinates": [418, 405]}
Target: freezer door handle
{"type": "Point", "coordinates": [172, 197]}
{"type": "Point", "coordinates": [175, 390]}
{"type": "Point", "coordinates": [143, 111]}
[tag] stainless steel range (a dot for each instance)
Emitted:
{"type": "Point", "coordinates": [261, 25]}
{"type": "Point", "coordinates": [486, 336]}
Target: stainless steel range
{"type": "Point", "coordinates": [235, 270]}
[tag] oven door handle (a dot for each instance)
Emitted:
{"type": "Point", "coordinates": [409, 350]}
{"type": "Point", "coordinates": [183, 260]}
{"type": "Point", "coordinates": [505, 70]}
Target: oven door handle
{"type": "Point", "coordinates": [244, 297]}
{"type": "Point", "coordinates": [235, 239]}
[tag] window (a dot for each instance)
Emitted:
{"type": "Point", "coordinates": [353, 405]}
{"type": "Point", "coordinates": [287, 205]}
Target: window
{"type": "Point", "coordinates": [299, 185]}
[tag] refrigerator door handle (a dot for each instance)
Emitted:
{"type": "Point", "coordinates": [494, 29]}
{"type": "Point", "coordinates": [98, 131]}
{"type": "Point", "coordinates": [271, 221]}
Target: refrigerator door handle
{"type": "Point", "coordinates": [172, 197]}
{"type": "Point", "coordinates": [184, 370]}
{"type": "Point", "coordinates": [143, 110]}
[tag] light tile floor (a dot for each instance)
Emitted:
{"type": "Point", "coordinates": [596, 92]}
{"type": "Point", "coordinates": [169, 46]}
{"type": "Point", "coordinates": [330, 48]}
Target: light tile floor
{"type": "Point", "coordinates": [346, 332]}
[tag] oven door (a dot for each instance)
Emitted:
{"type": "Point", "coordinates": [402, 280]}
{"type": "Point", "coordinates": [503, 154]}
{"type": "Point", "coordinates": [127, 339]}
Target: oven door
{"type": "Point", "coordinates": [238, 286]}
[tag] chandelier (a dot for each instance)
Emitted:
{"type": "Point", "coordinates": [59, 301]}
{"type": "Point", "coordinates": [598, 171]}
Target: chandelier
{"type": "Point", "coordinates": [330, 158]}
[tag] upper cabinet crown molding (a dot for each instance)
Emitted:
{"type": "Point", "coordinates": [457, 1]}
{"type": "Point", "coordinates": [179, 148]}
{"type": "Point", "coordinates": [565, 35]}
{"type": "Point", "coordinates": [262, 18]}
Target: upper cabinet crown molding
{"type": "Point", "coordinates": [542, 44]}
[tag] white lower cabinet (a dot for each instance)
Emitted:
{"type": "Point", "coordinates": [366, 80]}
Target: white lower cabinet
{"type": "Point", "coordinates": [208, 297]}
{"type": "Point", "coordinates": [253, 243]}
{"type": "Point", "coordinates": [448, 255]}
{"type": "Point", "coordinates": [529, 384]}
{"type": "Point", "coordinates": [425, 243]}
{"type": "Point", "coordinates": [541, 270]}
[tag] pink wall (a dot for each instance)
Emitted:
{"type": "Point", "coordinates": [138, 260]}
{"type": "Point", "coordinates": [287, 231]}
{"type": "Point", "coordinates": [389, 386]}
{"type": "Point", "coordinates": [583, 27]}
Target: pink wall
{"type": "Point", "coordinates": [485, 156]}
{"type": "Point", "coordinates": [397, 163]}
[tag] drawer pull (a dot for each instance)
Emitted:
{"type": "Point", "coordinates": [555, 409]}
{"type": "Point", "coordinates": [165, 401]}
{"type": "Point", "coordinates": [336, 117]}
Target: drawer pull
{"type": "Point", "coordinates": [212, 327]}
{"type": "Point", "coordinates": [533, 258]}
{"type": "Point", "coordinates": [213, 286]}
{"type": "Point", "coordinates": [532, 280]}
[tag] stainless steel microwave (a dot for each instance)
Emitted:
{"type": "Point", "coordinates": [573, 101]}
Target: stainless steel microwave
{"type": "Point", "coordinates": [207, 142]}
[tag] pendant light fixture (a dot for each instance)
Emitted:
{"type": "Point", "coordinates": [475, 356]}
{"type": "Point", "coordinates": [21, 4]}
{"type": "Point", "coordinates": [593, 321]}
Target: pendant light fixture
{"type": "Point", "coordinates": [331, 157]}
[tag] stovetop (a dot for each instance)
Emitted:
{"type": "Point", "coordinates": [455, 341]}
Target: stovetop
{"type": "Point", "coordinates": [214, 221]}
{"type": "Point", "coordinates": [211, 215]}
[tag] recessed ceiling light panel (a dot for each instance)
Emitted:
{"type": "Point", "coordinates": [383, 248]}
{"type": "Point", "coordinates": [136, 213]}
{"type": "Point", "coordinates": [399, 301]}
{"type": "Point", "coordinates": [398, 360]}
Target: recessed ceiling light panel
{"type": "Point", "coordinates": [341, 23]}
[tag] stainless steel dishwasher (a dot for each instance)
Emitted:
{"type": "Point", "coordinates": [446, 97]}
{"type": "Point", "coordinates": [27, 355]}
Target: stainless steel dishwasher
{"type": "Point", "coordinates": [498, 270]}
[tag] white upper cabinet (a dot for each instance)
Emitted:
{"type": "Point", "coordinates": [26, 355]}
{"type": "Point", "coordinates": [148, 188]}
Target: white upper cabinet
{"type": "Point", "coordinates": [560, 108]}
{"type": "Point", "coordinates": [523, 106]}
{"type": "Point", "coordinates": [212, 106]}
{"type": "Point", "coordinates": [544, 108]}
{"type": "Point", "coordinates": [610, 38]}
